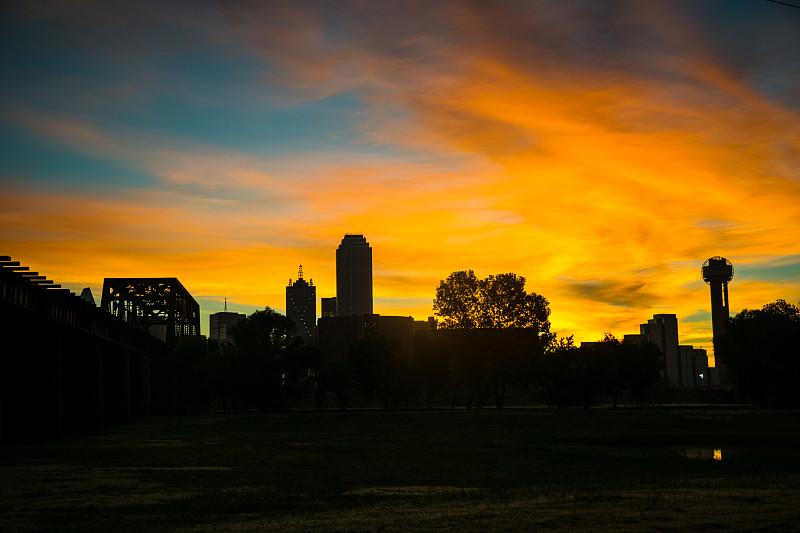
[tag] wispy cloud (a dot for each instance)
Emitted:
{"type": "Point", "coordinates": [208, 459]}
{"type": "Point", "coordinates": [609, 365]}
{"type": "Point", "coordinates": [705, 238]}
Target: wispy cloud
{"type": "Point", "coordinates": [601, 150]}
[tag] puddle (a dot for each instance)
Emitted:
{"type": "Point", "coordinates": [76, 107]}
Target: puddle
{"type": "Point", "coordinates": [708, 454]}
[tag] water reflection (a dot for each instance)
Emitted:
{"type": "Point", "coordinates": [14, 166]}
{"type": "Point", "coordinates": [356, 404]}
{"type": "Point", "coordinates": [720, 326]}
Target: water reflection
{"type": "Point", "coordinates": [703, 453]}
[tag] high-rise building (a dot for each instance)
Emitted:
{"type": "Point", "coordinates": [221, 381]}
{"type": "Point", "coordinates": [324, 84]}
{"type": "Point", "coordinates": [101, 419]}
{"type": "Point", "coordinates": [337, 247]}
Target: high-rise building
{"type": "Point", "coordinates": [328, 307]}
{"type": "Point", "coordinates": [684, 366]}
{"type": "Point", "coordinates": [354, 277]}
{"type": "Point", "coordinates": [222, 323]}
{"type": "Point", "coordinates": [662, 330]}
{"type": "Point", "coordinates": [301, 306]}
{"type": "Point", "coordinates": [86, 296]}
{"type": "Point", "coordinates": [694, 367]}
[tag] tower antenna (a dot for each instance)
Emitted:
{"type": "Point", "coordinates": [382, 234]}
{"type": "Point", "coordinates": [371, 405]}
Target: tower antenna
{"type": "Point", "coordinates": [226, 305]}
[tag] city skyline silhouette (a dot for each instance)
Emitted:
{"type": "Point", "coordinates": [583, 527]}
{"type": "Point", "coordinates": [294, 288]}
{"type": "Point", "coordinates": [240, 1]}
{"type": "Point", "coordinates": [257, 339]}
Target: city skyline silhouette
{"type": "Point", "coordinates": [145, 302]}
{"type": "Point", "coordinates": [601, 152]}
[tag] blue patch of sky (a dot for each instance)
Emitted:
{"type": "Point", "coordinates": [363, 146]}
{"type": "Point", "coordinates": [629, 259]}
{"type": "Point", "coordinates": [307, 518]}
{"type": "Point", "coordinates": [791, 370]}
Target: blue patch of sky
{"type": "Point", "coordinates": [768, 59]}
{"type": "Point", "coordinates": [27, 160]}
{"type": "Point", "coordinates": [209, 306]}
{"type": "Point", "coordinates": [52, 78]}
{"type": "Point", "coordinates": [697, 285]}
{"type": "Point", "coordinates": [240, 103]}
{"type": "Point", "coordinates": [699, 342]}
{"type": "Point", "coordinates": [698, 316]}
{"type": "Point", "coordinates": [786, 269]}
{"type": "Point", "coordinates": [210, 97]}
{"type": "Point", "coordinates": [199, 94]}
{"type": "Point", "coordinates": [248, 127]}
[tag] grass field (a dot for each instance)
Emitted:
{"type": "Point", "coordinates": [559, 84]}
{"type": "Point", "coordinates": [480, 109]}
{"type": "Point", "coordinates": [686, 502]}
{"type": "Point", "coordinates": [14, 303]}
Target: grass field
{"type": "Point", "coordinates": [517, 469]}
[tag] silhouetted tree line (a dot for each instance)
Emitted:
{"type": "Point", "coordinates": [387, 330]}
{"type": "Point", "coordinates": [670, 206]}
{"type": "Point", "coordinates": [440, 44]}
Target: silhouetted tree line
{"type": "Point", "coordinates": [761, 348]}
{"type": "Point", "coordinates": [494, 337]}
{"type": "Point", "coordinates": [269, 368]}
{"type": "Point", "coordinates": [500, 337]}
{"type": "Point", "coordinates": [574, 376]}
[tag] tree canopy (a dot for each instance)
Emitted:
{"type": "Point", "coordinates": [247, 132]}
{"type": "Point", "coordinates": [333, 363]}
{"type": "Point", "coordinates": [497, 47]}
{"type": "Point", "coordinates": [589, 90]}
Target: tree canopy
{"type": "Point", "coordinates": [611, 368]}
{"type": "Point", "coordinates": [457, 300]}
{"type": "Point", "coordinates": [499, 301]}
{"type": "Point", "coordinates": [272, 362]}
{"type": "Point", "coordinates": [761, 348]}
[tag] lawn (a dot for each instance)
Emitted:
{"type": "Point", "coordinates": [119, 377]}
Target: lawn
{"type": "Point", "coordinates": [516, 469]}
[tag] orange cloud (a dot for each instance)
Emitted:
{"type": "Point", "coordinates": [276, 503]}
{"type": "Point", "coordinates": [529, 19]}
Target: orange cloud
{"type": "Point", "coordinates": [604, 166]}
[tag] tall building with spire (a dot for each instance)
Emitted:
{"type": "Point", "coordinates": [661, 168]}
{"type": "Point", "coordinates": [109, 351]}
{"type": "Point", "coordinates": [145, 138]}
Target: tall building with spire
{"type": "Point", "coordinates": [354, 277]}
{"type": "Point", "coordinates": [301, 306]}
{"type": "Point", "coordinates": [221, 324]}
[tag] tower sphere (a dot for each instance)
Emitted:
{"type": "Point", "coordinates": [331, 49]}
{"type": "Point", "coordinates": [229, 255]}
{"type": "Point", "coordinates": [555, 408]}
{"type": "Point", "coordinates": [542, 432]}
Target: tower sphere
{"type": "Point", "coordinates": [717, 269]}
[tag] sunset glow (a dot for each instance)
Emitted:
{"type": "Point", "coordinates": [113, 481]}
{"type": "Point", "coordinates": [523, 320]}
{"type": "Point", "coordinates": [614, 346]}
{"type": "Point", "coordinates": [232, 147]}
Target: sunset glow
{"type": "Point", "coordinates": [602, 151]}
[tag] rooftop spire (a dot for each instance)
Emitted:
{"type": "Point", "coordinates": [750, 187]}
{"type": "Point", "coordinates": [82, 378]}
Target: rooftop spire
{"type": "Point", "coordinates": [226, 305]}
{"type": "Point", "coordinates": [300, 272]}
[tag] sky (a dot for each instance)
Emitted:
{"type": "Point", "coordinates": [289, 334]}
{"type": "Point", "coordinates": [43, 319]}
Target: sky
{"type": "Point", "coordinates": [602, 150]}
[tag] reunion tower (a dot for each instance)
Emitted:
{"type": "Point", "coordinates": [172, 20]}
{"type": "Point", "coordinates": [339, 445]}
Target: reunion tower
{"type": "Point", "coordinates": [717, 272]}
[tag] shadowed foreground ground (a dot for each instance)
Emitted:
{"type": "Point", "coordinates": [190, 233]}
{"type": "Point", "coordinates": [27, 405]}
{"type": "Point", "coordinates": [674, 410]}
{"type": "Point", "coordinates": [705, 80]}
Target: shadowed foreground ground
{"type": "Point", "coordinates": [467, 470]}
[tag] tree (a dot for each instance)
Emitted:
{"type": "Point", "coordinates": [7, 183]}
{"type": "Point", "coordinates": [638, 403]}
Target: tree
{"type": "Point", "coordinates": [224, 373]}
{"type": "Point", "coordinates": [615, 359]}
{"type": "Point", "coordinates": [504, 303]}
{"type": "Point", "coordinates": [645, 364]}
{"type": "Point", "coordinates": [299, 371]}
{"type": "Point", "coordinates": [457, 301]}
{"type": "Point", "coordinates": [185, 385]}
{"type": "Point", "coordinates": [432, 362]}
{"type": "Point", "coordinates": [560, 377]}
{"type": "Point", "coordinates": [266, 346]}
{"type": "Point", "coordinates": [501, 329]}
{"type": "Point", "coordinates": [339, 377]}
{"type": "Point", "coordinates": [626, 366]}
{"type": "Point", "coordinates": [499, 301]}
{"type": "Point", "coordinates": [474, 355]}
{"type": "Point", "coordinates": [761, 349]}
{"type": "Point", "coordinates": [383, 371]}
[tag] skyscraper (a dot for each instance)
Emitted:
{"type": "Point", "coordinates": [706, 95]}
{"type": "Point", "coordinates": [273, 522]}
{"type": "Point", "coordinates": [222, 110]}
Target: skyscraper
{"type": "Point", "coordinates": [662, 330]}
{"type": "Point", "coordinates": [354, 277]}
{"type": "Point", "coordinates": [301, 306]}
{"type": "Point", "coordinates": [221, 324]}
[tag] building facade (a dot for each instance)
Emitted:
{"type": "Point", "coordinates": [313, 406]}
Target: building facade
{"type": "Point", "coordinates": [662, 330]}
{"type": "Point", "coordinates": [328, 307]}
{"type": "Point", "coordinates": [301, 306]}
{"type": "Point", "coordinates": [684, 366]}
{"type": "Point", "coordinates": [338, 334]}
{"type": "Point", "coordinates": [221, 325]}
{"type": "Point", "coordinates": [694, 367]}
{"type": "Point", "coordinates": [354, 277]}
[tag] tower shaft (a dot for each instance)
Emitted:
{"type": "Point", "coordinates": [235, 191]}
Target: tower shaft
{"type": "Point", "coordinates": [720, 311]}
{"type": "Point", "coordinates": [717, 272]}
